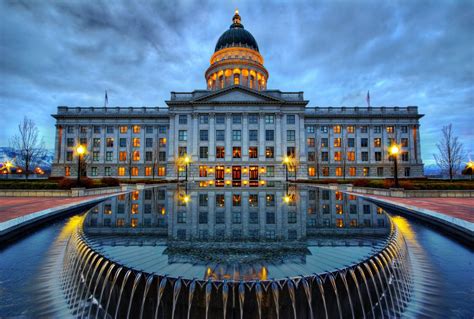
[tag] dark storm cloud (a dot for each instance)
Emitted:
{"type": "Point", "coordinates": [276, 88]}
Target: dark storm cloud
{"type": "Point", "coordinates": [405, 52]}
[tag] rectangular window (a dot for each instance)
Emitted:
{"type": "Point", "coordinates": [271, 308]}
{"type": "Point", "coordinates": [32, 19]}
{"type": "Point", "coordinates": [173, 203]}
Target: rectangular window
{"type": "Point", "coordinates": [253, 152]}
{"type": "Point", "coordinates": [136, 156]}
{"type": "Point", "coordinates": [182, 135]}
{"type": "Point", "coordinates": [110, 129]}
{"type": "Point", "coordinates": [70, 129]}
{"type": "Point", "coordinates": [203, 152]}
{"type": "Point", "coordinates": [270, 171]}
{"type": "Point", "coordinates": [121, 171]}
{"type": "Point", "coordinates": [311, 171]}
{"type": "Point", "coordinates": [366, 171]}
{"type": "Point", "coordinates": [70, 142]}
{"type": "Point", "coordinates": [336, 129]}
{"type": "Point", "coordinates": [253, 135]}
{"type": "Point", "coordinates": [122, 142]}
{"type": "Point", "coordinates": [350, 129]}
{"type": "Point", "coordinates": [236, 135]}
{"type": "Point", "coordinates": [337, 142]}
{"type": "Point", "coordinates": [270, 218]}
{"type": "Point", "coordinates": [202, 171]}
{"type": "Point", "coordinates": [292, 217]}
{"type": "Point", "coordinates": [161, 171]}
{"type": "Point", "coordinates": [162, 156]}
{"type": "Point", "coordinates": [83, 129]}
{"type": "Point", "coordinates": [390, 129]}
{"type": "Point", "coordinates": [290, 135]}
{"type": "Point", "coordinates": [134, 171]}
{"type": "Point", "coordinates": [338, 171]}
{"type": "Point", "coordinates": [162, 129]}
{"type": "Point", "coordinates": [404, 142]}
{"type": "Point", "coordinates": [364, 142]}
{"type": "Point", "coordinates": [404, 129]}
{"type": "Point", "coordinates": [69, 156]}
{"type": "Point", "coordinates": [107, 171]}
{"type": "Point", "coordinates": [253, 173]}
{"type": "Point", "coordinates": [351, 156]}
{"type": "Point", "coordinates": [110, 142]}
{"type": "Point", "coordinates": [352, 171]}
{"type": "Point", "coordinates": [108, 156]}
{"type": "Point", "coordinates": [310, 141]}
{"type": "Point", "coordinates": [290, 151]}
{"type": "Point", "coordinates": [407, 172]}
{"type": "Point", "coordinates": [378, 156]}
{"type": "Point", "coordinates": [203, 217]}
{"type": "Point", "coordinates": [83, 141]}
{"type": "Point", "coordinates": [310, 129]}
{"type": "Point", "coordinates": [149, 142]}
{"type": "Point", "coordinates": [67, 171]}
{"type": "Point", "coordinates": [290, 119]}
{"type": "Point", "coordinates": [324, 156]}
{"type": "Point", "coordinates": [405, 157]}
{"type": "Point", "coordinates": [95, 156]}
{"type": "Point", "coordinates": [183, 119]}
{"type": "Point", "coordinates": [350, 142]}
{"type": "Point", "coordinates": [325, 171]}
{"type": "Point", "coordinates": [220, 152]}
{"type": "Point", "coordinates": [204, 119]}
{"type": "Point", "coordinates": [220, 135]}
{"type": "Point", "coordinates": [324, 142]}
{"type": "Point", "coordinates": [377, 129]}
{"type": "Point", "coordinates": [123, 129]}
{"type": "Point", "coordinates": [324, 129]}
{"type": "Point", "coordinates": [269, 135]}
{"type": "Point", "coordinates": [380, 171]}
{"type": "Point", "coordinates": [364, 129]}
{"type": "Point", "coordinates": [269, 152]}
{"type": "Point", "coordinates": [148, 129]}
{"type": "Point", "coordinates": [253, 118]}
{"type": "Point", "coordinates": [136, 142]}
{"type": "Point", "coordinates": [377, 142]}
{"type": "Point", "coordinates": [220, 200]}
{"type": "Point", "coordinates": [136, 129]}
{"type": "Point", "coordinates": [182, 150]}
{"type": "Point", "coordinates": [148, 171]}
{"type": "Point", "coordinates": [311, 156]}
{"type": "Point", "coordinates": [337, 156]}
{"type": "Point", "coordinates": [236, 119]}
{"type": "Point", "coordinates": [364, 156]}
{"type": "Point", "coordinates": [203, 135]}
{"type": "Point", "coordinates": [220, 119]}
{"type": "Point", "coordinates": [269, 119]}
{"type": "Point", "coordinates": [96, 142]}
{"type": "Point", "coordinates": [148, 156]}
{"type": "Point", "coordinates": [236, 152]}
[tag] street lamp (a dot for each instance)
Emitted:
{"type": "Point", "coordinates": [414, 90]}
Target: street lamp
{"type": "Point", "coordinates": [286, 162]}
{"type": "Point", "coordinates": [186, 162]}
{"type": "Point", "coordinates": [394, 150]}
{"type": "Point", "coordinates": [80, 150]}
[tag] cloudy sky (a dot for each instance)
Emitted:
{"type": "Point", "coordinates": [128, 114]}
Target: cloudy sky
{"type": "Point", "coordinates": [405, 52]}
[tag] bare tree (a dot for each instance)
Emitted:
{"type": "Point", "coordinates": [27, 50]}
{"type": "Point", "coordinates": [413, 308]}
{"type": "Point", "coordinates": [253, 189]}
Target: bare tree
{"type": "Point", "coordinates": [28, 147]}
{"type": "Point", "coordinates": [451, 152]}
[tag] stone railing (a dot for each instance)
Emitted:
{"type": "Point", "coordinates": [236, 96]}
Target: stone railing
{"type": "Point", "coordinates": [74, 192]}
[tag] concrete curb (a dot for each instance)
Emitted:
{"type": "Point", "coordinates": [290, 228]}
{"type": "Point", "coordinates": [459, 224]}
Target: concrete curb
{"type": "Point", "coordinates": [13, 226]}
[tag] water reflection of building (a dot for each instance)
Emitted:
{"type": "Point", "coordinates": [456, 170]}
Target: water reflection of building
{"type": "Point", "coordinates": [236, 214]}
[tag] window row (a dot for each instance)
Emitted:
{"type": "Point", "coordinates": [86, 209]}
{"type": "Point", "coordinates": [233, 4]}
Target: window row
{"type": "Point", "coordinates": [123, 171]}
{"type": "Point", "coordinates": [123, 142]}
{"type": "Point", "coordinates": [350, 142]}
{"type": "Point", "coordinates": [123, 156]}
{"type": "Point", "coordinates": [96, 129]}
{"type": "Point", "coordinates": [237, 119]}
{"type": "Point", "coordinates": [351, 156]}
{"type": "Point", "coordinates": [337, 129]}
{"type": "Point", "coordinates": [352, 171]}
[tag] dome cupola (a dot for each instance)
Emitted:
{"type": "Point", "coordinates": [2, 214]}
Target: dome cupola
{"type": "Point", "coordinates": [236, 60]}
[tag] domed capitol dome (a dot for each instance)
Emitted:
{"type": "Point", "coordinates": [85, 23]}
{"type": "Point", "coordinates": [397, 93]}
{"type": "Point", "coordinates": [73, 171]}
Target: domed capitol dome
{"type": "Point", "coordinates": [236, 60]}
{"type": "Point", "coordinates": [236, 36]}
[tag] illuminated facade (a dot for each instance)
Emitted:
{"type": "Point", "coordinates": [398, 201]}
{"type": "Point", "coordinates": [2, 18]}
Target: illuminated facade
{"type": "Point", "coordinates": [237, 132]}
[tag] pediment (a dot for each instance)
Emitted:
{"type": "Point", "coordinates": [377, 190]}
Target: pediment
{"type": "Point", "coordinates": [236, 94]}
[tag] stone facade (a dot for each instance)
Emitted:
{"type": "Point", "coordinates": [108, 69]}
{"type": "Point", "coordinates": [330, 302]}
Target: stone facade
{"type": "Point", "coordinates": [237, 132]}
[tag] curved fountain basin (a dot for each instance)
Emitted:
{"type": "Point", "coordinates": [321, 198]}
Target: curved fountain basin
{"type": "Point", "coordinates": [327, 274]}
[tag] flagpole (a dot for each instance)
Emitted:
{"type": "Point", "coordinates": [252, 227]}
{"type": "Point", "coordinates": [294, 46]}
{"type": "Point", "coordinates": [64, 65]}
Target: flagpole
{"type": "Point", "coordinates": [106, 100]}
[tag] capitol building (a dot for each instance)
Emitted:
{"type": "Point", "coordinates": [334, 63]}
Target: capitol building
{"type": "Point", "coordinates": [237, 131]}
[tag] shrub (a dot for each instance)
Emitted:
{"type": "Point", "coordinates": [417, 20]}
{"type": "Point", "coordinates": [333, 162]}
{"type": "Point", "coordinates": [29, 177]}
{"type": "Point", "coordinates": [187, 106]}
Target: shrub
{"type": "Point", "coordinates": [361, 183]}
{"type": "Point", "coordinates": [110, 181]}
{"type": "Point", "coordinates": [68, 183]}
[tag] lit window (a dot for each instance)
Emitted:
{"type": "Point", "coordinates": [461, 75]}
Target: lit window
{"type": "Point", "coordinates": [122, 156]}
{"type": "Point", "coordinates": [337, 156]}
{"type": "Point", "coordinates": [123, 129]}
{"type": "Point", "coordinates": [350, 129]}
{"type": "Point", "coordinates": [377, 142]}
{"type": "Point", "coordinates": [351, 156]}
{"type": "Point", "coordinates": [269, 150]}
{"type": "Point", "coordinates": [338, 195]}
{"type": "Point", "coordinates": [338, 171]}
{"type": "Point", "coordinates": [253, 152]}
{"type": "Point", "coordinates": [339, 222]}
{"type": "Point", "coordinates": [390, 129]}
{"type": "Point", "coordinates": [339, 209]}
{"type": "Point", "coordinates": [311, 171]}
{"type": "Point", "coordinates": [136, 129]}
{"type": "Point", "coordinates": [236, 152]}
{"type": "Point", "coordinates": [202, 171]}
{"type": "Point", "coordinates": [121, 171]}
{"type": "Point", "coordinates": [236, 79]}
{"type": "Point", "coordinates": [134, 209]}
{"type": "Point", "coordinates": [220, 152]}
{"type": "Point", "coordinates": [135, 195]}
{"type": "Point", "coordinates": [337, 142]}
{"type": "Point", "coordinates": [134, 222]}
{"type": "Point", "coordinates": [336, 129]}
{"type": "Point", "coordinates": [148, 171]}
{"type": "Point", "coordinates": [136, 142]}
{"type": "Point", "coordinates": [67, 171]}
{"type": "Point", "coordinates": [352, 171]}
{"type": "Point", "coordinates": [325, 171]}
{"type": "Point", "coordinates": [366, 171]}
{"type": "Point", "coordinates": [134, 171]}
{"type": "Point", "coordinates": [136, 155]}
{"type": "Point", "coordinates": [161, 171]}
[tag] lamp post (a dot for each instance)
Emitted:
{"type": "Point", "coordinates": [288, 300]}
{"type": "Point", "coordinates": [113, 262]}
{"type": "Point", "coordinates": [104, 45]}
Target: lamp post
{"type": "Point", "coordinates": [394, 150]}
{"type": "Point", "coordinates": [286, 162]}
{"type": "Point", "coordinates": [80, 150]}
{"type": "Point", "coordinates": [186, 162]}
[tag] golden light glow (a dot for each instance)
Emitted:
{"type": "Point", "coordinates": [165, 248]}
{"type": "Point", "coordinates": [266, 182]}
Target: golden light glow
{"type": "Point", "coordinates": [227, 182]}
{"type": "Point", "coordinates": [186, 198]}
{"type": "Point", "coordinates": [187, 159]}
{"type": "Point", "coordinates": [470, 164]}
{"type": "Point", "coordinates": [80, 149]}
{"type": "Point", "coordinates": [227, 170]}
{"type": "Point", "coordinates": [246, 182]}
{"type": "Point", "coordinates": [163, 211]}
{"type": "Point", "coordinates": [236, 11]}
{"type": "Point", "coordinates": [286, 160]}
{"type": "Point", "coordinates": [262, 182]}
{"type": "Point", "coordinates": [394, 150]}
{"type": "Point", "coordinates": [8, 165]}
{"type": "Point", "coordinates": [264, 273]}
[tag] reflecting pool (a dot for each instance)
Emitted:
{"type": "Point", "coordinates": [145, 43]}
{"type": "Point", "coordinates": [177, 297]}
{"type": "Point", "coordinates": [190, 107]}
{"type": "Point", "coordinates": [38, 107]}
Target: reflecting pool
{"type": "Point", "coordinates": [178, 251]}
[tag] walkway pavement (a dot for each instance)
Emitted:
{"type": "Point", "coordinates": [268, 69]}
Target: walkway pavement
{"type": "Point", "coordinates": [462, 208]}
{"type": "Point", "coordinates": [13, 207]}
